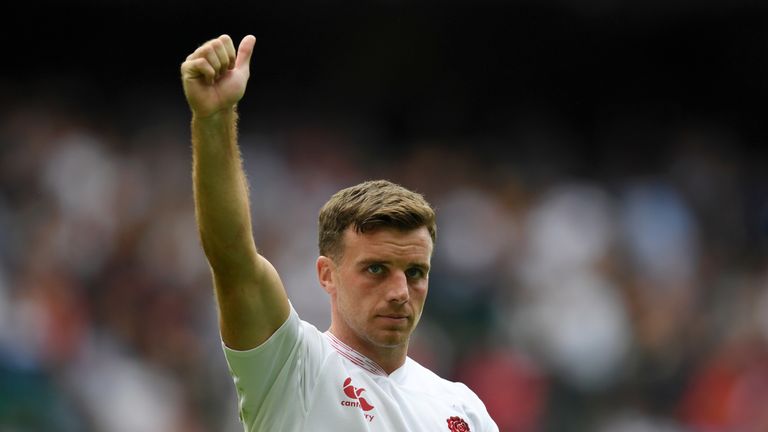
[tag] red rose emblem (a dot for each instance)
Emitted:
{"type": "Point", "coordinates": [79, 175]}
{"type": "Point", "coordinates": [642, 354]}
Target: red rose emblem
{"type": "Point", "coordinates": [457, 424]}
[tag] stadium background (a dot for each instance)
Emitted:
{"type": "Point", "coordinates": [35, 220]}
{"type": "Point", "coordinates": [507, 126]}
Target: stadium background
{"type": "Point", "coordinates": [598, 166]}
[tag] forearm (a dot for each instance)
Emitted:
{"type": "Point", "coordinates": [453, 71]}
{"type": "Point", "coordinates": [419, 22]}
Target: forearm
{"type": "Point", "coordinates": [221, 193]}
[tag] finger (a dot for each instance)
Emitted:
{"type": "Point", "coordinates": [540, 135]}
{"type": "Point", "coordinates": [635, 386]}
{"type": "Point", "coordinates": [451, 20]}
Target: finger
{"type": "Point", "coordinates": [208, 51]}
{"type": "Point", "coordinates": [202, 49]}
{"type": "Point", "coordinates": [221, 55]}
{"type": "Point", "coordinates": [229, 46]}
{"type": "Point", "coordinates": [197, 68]}
{"type": "Point", "coordinates": [244, 52]}
{"type": "Point", "coordinates": [209, 54]}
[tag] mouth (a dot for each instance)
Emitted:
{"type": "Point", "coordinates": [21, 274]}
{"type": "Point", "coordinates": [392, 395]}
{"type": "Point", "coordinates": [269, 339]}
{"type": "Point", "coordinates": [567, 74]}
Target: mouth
{"type": "Point", "coordinates": [393, 318]}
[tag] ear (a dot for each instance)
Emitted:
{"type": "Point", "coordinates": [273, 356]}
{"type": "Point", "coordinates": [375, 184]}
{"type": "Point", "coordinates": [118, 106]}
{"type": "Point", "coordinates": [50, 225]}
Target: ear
{"type": "Point", "coordinates": [325, 268]}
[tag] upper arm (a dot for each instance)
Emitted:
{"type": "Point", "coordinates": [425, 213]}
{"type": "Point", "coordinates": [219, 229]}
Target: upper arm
{"type": "Point", "coordinates": [252, 304]}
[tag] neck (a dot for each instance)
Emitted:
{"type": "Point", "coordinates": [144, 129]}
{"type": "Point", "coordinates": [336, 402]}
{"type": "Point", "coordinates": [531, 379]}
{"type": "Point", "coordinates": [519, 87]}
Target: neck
{"type": "Point", "coordinates": [388, 358]}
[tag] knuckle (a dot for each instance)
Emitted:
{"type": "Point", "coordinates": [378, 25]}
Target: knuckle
{"type": "Point", "coordinates": [205, 50]}
{"type": "Point", "coordinates": [216, 45]}
{"type": "Point", "coordinates": [225, 40]}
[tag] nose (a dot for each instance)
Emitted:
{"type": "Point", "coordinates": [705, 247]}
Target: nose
{"type": "Point", "coordinates": [397, 289]}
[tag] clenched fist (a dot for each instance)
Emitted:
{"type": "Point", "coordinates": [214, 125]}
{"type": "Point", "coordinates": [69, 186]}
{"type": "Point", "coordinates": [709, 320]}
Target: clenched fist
{"type": "Point", "coordinates": [215, 75]}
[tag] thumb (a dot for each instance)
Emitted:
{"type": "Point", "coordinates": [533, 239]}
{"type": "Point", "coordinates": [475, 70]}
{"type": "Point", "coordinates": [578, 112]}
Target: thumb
{"type": "Point", "coordinates": [244, 52]}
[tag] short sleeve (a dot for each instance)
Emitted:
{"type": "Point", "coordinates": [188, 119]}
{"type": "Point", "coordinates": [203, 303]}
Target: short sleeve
{"type": "Point", "coordinates": [265, 375]}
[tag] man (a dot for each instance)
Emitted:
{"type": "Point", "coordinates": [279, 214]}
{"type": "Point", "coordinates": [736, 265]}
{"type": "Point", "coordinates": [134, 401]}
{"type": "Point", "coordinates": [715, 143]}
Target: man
{"type": "Point", "coordinates": [376, 243]}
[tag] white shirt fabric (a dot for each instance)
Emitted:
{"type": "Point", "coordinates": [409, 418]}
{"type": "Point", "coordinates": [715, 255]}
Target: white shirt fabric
{"type": "Point", "coordinates": [301, 379]}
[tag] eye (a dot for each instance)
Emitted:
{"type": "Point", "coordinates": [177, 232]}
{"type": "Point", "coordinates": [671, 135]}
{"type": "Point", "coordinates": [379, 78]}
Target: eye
{"type": "Point", "coordinates": [414, 273]}
{"type": "Point", "coordinates": [375, 269]}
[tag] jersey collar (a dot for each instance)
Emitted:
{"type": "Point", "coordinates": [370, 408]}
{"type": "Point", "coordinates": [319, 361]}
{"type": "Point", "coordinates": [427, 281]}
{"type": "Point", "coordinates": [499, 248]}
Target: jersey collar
{"type": "Point", "coordinates": [352, 355]}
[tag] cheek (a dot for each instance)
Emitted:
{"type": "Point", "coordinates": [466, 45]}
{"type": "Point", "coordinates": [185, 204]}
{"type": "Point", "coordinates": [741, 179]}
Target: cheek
{"type": "Point", "coordinates": [419, 295]}
{"type": "Point", "coordinates": [420, 290]}
{"type": "Point", "coordinates": [351, 290]}
{"type": "Point", "coordinates": [345, 301]}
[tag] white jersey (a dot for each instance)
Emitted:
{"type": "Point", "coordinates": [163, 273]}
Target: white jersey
{"type": "Point", "coordinates": [301, 379]}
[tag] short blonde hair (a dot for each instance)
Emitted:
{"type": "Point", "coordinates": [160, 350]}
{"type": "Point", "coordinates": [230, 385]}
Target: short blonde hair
{"type": "Point", "coordinates": [368, 206]}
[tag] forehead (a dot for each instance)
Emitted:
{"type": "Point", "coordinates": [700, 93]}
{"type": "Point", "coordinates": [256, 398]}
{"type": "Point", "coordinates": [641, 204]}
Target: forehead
{"type": "Point", "coordinates": [388, 243]}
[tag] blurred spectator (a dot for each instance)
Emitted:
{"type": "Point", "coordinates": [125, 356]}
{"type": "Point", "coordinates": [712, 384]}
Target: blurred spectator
{"type": "Point", "coordinates": [513, 386]}
{"type": "Point", "coordinates": [572, 316]}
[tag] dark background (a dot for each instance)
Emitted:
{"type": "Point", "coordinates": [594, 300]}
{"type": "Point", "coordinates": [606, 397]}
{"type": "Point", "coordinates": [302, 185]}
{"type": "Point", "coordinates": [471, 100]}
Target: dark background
{"type": "Point", "coordinates": [453, 68]}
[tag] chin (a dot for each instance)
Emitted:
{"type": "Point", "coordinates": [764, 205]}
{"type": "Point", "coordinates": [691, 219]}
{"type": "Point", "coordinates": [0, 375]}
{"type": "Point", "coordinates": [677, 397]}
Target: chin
{"type": "Point", "coordinates": [389, 338]}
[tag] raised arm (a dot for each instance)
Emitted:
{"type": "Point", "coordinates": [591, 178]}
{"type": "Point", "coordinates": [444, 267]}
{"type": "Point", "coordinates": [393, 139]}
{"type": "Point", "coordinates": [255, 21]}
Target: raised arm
{"type": "Point", "coordinates": [251, 299]}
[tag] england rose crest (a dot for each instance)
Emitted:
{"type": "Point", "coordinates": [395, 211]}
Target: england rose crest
{"type": "Point", "coordinates": [457, 424]}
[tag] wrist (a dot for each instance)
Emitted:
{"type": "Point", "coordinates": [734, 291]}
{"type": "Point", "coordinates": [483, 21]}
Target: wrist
{"type": "Point", "coordinates": [225, 114]}
{"type": "Point", "coordinates": [216, 126]}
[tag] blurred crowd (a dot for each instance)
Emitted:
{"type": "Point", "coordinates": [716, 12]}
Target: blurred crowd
{"type": "Point", "coordinates": [628, 294]}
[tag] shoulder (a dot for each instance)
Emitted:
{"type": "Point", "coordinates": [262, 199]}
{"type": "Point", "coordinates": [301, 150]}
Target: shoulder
{"type": "Point", "coordinates": [428, 380]}
{"type": "Point", "coordinates": [291, 335]}
{"type": "Point", "coordinates": [453, 393]}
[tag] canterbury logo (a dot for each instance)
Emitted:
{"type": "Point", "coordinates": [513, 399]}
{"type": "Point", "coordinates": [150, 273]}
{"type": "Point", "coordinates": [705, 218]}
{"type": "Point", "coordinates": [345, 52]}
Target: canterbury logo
{"type": "Point", "coordinates": [353, 392]}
